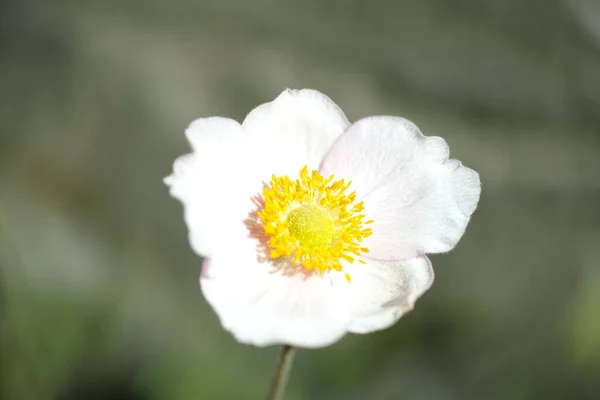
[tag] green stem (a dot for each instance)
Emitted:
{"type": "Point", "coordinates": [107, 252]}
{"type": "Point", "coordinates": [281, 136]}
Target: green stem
{"type": "Point", "coordinates": [282, 373]}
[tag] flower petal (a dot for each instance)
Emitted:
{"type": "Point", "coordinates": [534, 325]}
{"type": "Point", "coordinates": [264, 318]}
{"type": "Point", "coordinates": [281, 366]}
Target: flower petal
{"type": "Point", "coordinates": [262, 306]}
{"type": "Point", "coordinates": [218, 182]}
{"type": "Point", "coordinates": [380, 292]}
{"type": "Point", "coordinates": [419, 200]}
{"type": "Point", "coordinates": [215, 183]}
{"type": "Point", "coordinates": [296, 129]}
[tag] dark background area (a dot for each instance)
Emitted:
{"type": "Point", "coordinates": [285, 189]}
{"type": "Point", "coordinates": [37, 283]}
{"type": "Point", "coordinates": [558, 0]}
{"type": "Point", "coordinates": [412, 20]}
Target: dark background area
{"type": "Point", "coordinates": [99, 295]}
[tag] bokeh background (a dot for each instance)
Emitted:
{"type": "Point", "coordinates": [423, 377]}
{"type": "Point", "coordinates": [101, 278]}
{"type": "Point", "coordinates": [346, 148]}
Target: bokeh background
{"type": "Point", "coordinates": [99, 294]}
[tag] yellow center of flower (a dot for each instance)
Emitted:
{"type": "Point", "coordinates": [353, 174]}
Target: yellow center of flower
{"type": "Point", "coordinates": [312, 221]}
{"type": "Point", "coordinates": [312, 225]}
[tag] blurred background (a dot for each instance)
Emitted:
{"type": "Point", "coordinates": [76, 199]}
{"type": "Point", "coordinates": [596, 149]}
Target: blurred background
{"type": "Point", "coordinates": [99, 295]}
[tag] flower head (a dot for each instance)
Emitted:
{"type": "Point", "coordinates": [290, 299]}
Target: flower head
{"type": "Point", "coordinates": [312, 227]}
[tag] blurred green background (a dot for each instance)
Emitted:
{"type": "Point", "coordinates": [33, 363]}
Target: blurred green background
{"type": "Point", "coordinates": [99, 295]}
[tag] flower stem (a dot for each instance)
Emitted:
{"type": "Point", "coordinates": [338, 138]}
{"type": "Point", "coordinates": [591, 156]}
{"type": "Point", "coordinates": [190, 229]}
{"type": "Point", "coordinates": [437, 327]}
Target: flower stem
{"type": "Point", "coordinates": [282, 373]}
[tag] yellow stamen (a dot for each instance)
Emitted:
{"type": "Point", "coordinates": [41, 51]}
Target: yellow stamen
{"type": "Point", "coordinates": [312, 222]}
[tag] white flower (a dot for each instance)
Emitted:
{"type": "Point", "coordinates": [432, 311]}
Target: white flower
{"type": "Point", "coordinates": [313, 227]}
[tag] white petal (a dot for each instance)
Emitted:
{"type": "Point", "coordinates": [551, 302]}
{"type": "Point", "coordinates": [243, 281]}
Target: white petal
{"type": "Point", "coordinates": [262, 306]}
{"type": "Point", "coordinates": [218, 182]}
{"type": "Point", "coordinates": [380, 292]}
{"type": "Point", "coordinates": [215, 183]}
{"type": "Point", "coordinates": [296, 129]}
{"type": "Point", "coordinates": [420, 201]}
{"type": "Point", "coordinates": [203, 132]}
